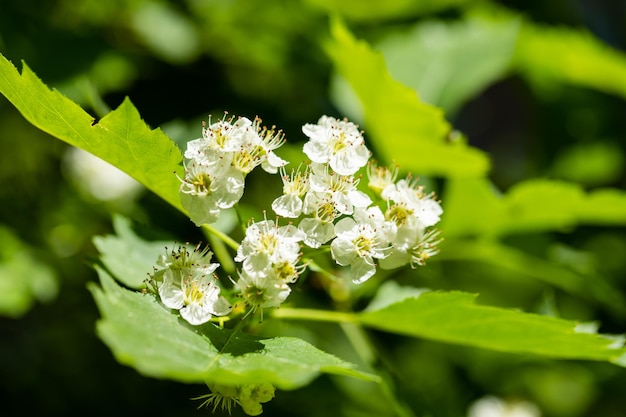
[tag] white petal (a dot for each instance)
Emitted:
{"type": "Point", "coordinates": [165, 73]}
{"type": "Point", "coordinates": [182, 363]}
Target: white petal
{"type": "Point", "coordinates": [316, 232]}
{"type": "Point", "coordinates": [343, 251]}
{"type": "Point", "coordinates": [361, 271]}
{"type": "Point", "coordinates": [288, 205]}
{"type": "Point", "coordinates": [196, 314]}
{"type": "Point", "coordinates": [171, 295]}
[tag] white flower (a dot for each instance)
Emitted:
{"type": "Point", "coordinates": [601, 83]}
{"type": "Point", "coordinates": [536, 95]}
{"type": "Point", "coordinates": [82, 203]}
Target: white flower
{"type": "Point", "coordinates": [379, 177]}
{"type": "Point", "coordinates": [336, 142]}
{"type": "Point", "coordinates": [257, 146]}
{"type": "Point", "coordinates": [205, 191]}
{"type": "Point", "coordinates": [195, 295]}
{"type": "Point", "coordinates": [490, 406]}
{"type": "Point", "coordinates": [259, 291]}
{"type": "Point", "coordinates": [360, 240]}
{"type": "Point", "coordinates": [341, 189]}
{"type": "Point", "coordinates": [268, 244]}
{"type": "Point", "coordinates": [295, 187]}
{"type": "Point", "coordinates": [423, 206]}
{"type": "Point", "coordinates": [180, 258]}
{"type": "Point", "coordinates": [187, 284]}
{"type": "Point", "coordinates": [412, 246]}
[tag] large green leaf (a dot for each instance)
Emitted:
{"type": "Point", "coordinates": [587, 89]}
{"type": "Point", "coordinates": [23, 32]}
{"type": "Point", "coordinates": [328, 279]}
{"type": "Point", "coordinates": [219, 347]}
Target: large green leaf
{"type": "Point", "coordinates": [563, 55]}
{"type": "Point", "coordinates": [473, 207]}
{"type": "Point", "coordinates": [127, 256]}
{"type": "Point", "coordinates": [449, 63]}
{"type": "Point", "coordinates": [401, 127]}
{"type": "Point", "coordinates": [142, 333]}
{"type": "Point", "coordinates": [453, 317]}
{"type": "Point", "coordinates": [120, 138]}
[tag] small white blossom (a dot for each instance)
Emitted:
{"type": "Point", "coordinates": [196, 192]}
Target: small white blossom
{"type": "Point", "coordinates": [379, 178]}
{"type": "Point", "coordinates": [268, 244]}
{"type": "Point", "coordinates": [295, 186]}
{"type": "Point", "coordinates": [360, 240]}
{"type": "Point", "coordinates": [204, 192]}
{"type": "Point", "coordinates": [195, 295]}
{"type": "Point", "coordinates": [341, 189]}
{"type": "Point", "coordinates": [490, 406]}
{"type": "Point", "coordinates": [336, 142]}
{"type": "Point", "coordinates": [258, 291]}
{"type": "Point", "coordinates": [423, 206]}
{"type": "Point", "coordinates": [186, 283]}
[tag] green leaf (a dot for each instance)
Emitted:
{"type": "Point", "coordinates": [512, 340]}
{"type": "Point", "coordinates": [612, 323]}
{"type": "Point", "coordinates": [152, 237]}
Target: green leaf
{"type": "Point", "coordinates": [557, 270]}
{"type": "Point", "coordinates": [24, 279]}
{"type": "Point", "coordinates": [401, 127]}
{"type": "Point", "coordinates": [376, 10]}
{"type": "Point", "coordinates": [120, 138]}
{"type": "Point", "coordinates": [473, 207]}
{"type": "Point", "coordinates": [590, 164]}
{"type": "Point", "coordinates": [557, 54]}
{"type": "Point", "coordinates": [449, 63]}
{"type": "Point", "coordinates": [127, 256]}
{"type": "Point", "coordinates": [142, 333]}
{"type": "Point", "coordinates": [453, 317]}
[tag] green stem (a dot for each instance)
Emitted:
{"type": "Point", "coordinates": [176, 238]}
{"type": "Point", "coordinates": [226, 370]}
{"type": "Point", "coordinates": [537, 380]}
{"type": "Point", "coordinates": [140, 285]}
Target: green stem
{"type": "Point", "coordinates": [221, 235]}
{"type": "Point", "coordinates": [314, 315]}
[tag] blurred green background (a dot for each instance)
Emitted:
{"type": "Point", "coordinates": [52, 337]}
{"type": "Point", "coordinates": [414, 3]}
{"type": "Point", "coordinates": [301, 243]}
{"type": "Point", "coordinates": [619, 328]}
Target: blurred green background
{"type": "Point", "coordinates": [491, 66]}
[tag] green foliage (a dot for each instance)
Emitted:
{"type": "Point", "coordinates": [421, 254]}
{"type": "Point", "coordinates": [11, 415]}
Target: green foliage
{"type": "Point", "coordinates": [395, 118]}
{"type": "Point", "coordinates": [24, 278]}
{"type": "Point", "coordinates": [375, 10]}
{"type": "Point", "coordinates": [127, 256]}
{"type": "Point", "coordinates": [144, 334]}
{"type": "Point", "coordinates": [551, 54]}
{"type": "Point", "coordinates": [451, 74]}
{"type": "Point", "coordinates": [534, 237]}
{"type": "Point", "coordinates": [453, 317]}
{"type": "Point", "coordinates": [590, 164]}
{"type": "Point", "coordinates": [474, 208]}
{"type": "Point", "coordinates": [121, 137]}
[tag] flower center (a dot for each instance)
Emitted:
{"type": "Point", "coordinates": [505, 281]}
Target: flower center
{"type": "Point", "coordinates": [201, 183]}
{"type": "Point", "coordinates": [268, 243]}
{"type": "Point", "coordinates": [398, 213]}
{"type": "Point", "coordinates": [193, 293]}
{"type": "Point", "coordinates": [364, 244]}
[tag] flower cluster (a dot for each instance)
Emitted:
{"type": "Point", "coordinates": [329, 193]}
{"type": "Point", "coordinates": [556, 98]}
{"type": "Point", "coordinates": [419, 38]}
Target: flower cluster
{"type": "Point", "coordinates": [217, 163]}
{"type": "Point", "coordinates": [393, 231]}
{"type": "Point", "coordinates": [389, 226]}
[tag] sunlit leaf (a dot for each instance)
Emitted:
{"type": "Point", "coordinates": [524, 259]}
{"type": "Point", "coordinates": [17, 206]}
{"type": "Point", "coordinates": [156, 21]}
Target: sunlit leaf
{"type": "Point", "coordinates": [563, 55]}
{"type": "Point", "coordinates": [120, 138]}
{"type": "Point", "coordinates": [449, 63]}
{"type": "Point", "coordinates": [400, 126]}
{"type": "Point", "coordinates": [144, 334]}
{"type": "Point", "coordinates": [473, 207]}
{"type": "Point", "coordinates": [454, 317]}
